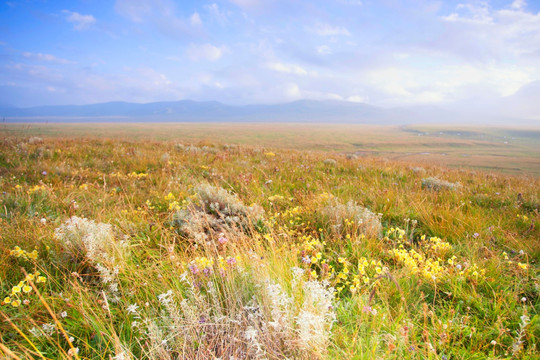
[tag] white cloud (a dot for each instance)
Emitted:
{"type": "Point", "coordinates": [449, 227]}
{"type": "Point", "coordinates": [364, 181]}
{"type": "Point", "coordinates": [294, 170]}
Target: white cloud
{"type": "Point", "coordinates": [206, 52]}
{"type": "Point", "coordinates": [135, 10]}
{"type": "Point", "coordinates": [45, 57]}
{"type": "Point", "coordinates": [288, 68]}
{"type": "Point", "coordinates": [351, 2]}
{"type": "Point", "coordinates": [216, 13]}
{"type": "Point", "coordinates": [356, 98]}
{"type": "Point", "coordinates": [161, 14]}
{"type": "Point", "coordinates": [293, 91]}
{"type": "Point", "coordinates": [323, 49]}
{"type": "Point", "coordinates": [471, 13]}
{"type": "Point", "coordinates": [329, 30]}
{"type": "Point", "coordinates": [79, 21]}
{"type": "Point", "coordinates": [456, 82]}
{"type": "Point", "coordinates": [195, 19]}
{"type": "Point", "coordinates": [518, 4]}
{"type": "Point", "coordinates": [498, 34]}
{"type": "Point", "coordinates": [249, 4]}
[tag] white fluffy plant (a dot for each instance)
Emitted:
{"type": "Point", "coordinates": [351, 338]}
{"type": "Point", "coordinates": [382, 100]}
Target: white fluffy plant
{"type": "Point", "coordinates": [98, 246]}
{"type": "Point", "coordinates": [97, 242]}
{"type": "Point", "coordinates": [366, 221]}
{"type": "Point", "coordinates": [304, 318]}
{"type": "Point", "coordinates": [215, 211]}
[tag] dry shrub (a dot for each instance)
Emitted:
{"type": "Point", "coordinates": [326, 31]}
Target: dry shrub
{"type": "Point", "coordinates": [216, 211]}
{"type": "Point", "coordinates": [436, 184]}
{"type": "Point", "coordinates": [96, 247]}
{"type": "Point", "coordinates": [366, 222]}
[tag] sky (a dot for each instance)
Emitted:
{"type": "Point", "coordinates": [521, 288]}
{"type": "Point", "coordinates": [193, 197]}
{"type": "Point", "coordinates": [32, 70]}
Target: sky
{"type": "Point", "coordinates": [387, 53]}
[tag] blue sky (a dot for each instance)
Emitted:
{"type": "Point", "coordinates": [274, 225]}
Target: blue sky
{"type": "Point", "coordinates": [384, 52]}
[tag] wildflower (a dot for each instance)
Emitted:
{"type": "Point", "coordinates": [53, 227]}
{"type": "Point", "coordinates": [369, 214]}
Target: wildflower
{"type": "Point", "coordinates": [493, 342]}
{"type": "Point", "coordinates": [16, 290]}
{"type": "Point", "coordinates": [523, 299]}
{"type": "Point", "coordinates": [35, 332]}
{"type": "Point", "coordinates": [48, 329]}
{"type": "Point", "coordinates": [73, 351]}
{"type": "Point", "coordinates": [369, 310]}
{"type": "Point", "coordinates": [222, 240]}
{"type": "Point", "coordinates": [27, 288]}
{"type": "Point", "coordinates": [133, 309]}
{"type": "Point", "coordinates": [522, 266]}
{"type": "Point", "coordinates": [41, 279]}
{"type": "Point", "coordinates": [250, 334]}
{"type": "Point", "coordinates": [63, 314]}
{"type": "Point", "coordinates": [16, 303]}
{"type": "Point", "coordinates": [26, 302]}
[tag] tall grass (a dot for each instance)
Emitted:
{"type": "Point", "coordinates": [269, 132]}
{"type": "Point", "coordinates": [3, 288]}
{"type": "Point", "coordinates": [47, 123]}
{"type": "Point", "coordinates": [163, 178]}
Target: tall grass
{"type": "Point", "coordinates": [144, 250]}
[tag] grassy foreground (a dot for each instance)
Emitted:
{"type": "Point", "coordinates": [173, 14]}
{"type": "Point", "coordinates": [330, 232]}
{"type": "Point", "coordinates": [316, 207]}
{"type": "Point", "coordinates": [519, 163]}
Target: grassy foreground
{"type": "Point", "coordinates": [115, 249]}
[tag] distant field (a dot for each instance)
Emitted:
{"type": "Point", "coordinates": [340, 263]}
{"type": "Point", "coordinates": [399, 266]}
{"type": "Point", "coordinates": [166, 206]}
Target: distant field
{"type": "Point", "coordinates": [508, 150]}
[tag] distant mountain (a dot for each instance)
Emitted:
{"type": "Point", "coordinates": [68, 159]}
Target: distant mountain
{"type": "Point", "coordinates": [188, 110]}
{"type": "Point", "coordinates": [506, 110]}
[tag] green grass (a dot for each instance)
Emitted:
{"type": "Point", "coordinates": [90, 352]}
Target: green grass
{"type": "Point", "coordinates": [472, 291]}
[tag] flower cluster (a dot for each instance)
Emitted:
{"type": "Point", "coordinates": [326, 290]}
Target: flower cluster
{"type": "Point", "coordinates": [20, 253]}
{"type": "Point", "coordinates": [206, 266]}
{"type": "Point", "coordinates": [137, 175]}
{"type": "Point", "coordinates": [36, 188]}
{"type": "Point", "coordinates": [430, 259]}
{"type": "Point", "coordinates": [15, 298]}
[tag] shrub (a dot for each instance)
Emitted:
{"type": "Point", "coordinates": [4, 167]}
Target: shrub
{"type": "Point", "coordinates": [436, 184]}
{"type": "Point", "coordinates": [365, 220]}
{"type": "Point", "coordinates": [330, 162]}
{"type": "Point", "coordinates": [213, 212]}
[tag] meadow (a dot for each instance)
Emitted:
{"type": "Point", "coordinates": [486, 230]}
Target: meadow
{"type": "Point", "coordinates": [510, 150]}
{"type": "Point", "coordinates": [253, 241]}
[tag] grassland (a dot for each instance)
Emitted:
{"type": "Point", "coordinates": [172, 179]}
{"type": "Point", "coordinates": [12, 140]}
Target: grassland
{"type": "Point", "coordinates": [507, 150]}
{"type": "Point", "coordinates": [232, 241]}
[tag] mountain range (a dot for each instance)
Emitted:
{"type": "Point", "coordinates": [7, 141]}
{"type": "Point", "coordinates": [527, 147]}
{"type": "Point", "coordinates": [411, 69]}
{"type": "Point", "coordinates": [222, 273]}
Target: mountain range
{"type": "Point", "coordinates": [506, 110]}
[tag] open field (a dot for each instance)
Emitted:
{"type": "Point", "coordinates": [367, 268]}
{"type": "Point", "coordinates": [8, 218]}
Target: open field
{"type": "Point", "coordinates": [249, 242]}
{"type": "Point", "coordinates": [507, 150]}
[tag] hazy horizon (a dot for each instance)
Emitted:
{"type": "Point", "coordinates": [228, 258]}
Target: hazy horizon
{"type": "Point", "coordinates": [478, 57]}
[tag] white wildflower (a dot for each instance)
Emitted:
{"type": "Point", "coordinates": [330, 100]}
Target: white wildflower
{"type": "Point", "coordinates": [48, 329]}
{"type": "Point", "coordinates": [133, 309]}
{"type": "Point", "coordinates": [35, 332]}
